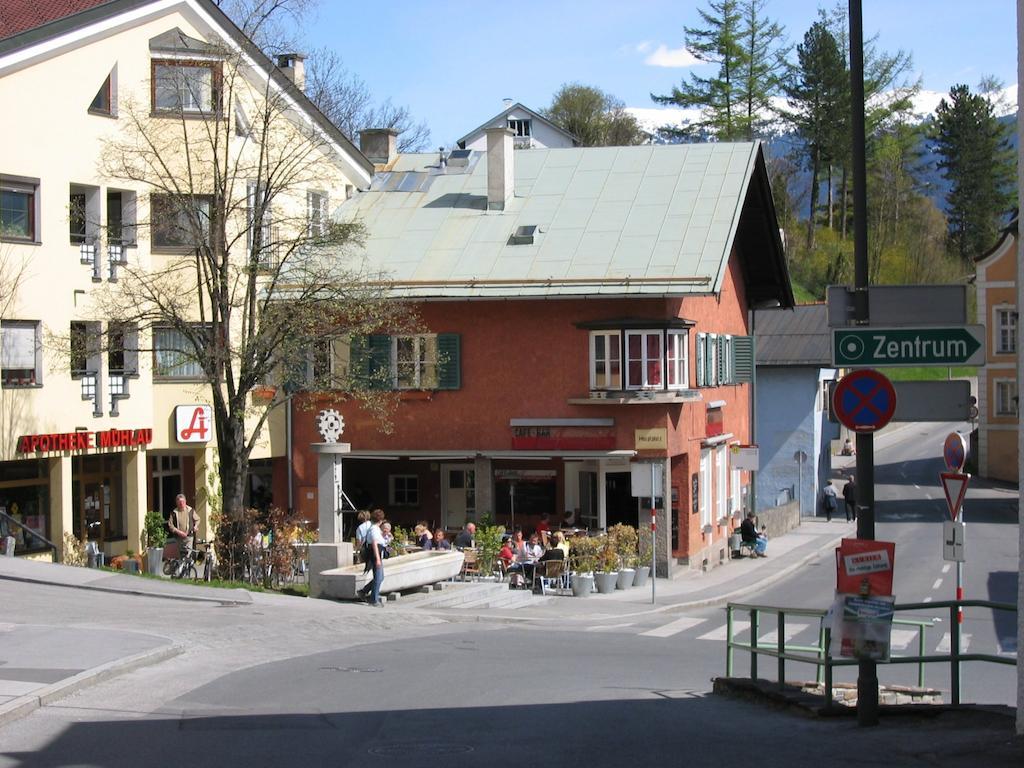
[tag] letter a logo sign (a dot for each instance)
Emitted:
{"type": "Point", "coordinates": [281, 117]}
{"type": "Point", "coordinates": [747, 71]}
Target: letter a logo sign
{"type": "Point", "coordinates": [193, 423]}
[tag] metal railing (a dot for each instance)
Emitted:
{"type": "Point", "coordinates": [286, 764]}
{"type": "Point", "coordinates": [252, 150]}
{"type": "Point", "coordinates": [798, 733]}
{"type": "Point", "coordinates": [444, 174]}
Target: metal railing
{"type": "Point", "coordinates": [819, 655]}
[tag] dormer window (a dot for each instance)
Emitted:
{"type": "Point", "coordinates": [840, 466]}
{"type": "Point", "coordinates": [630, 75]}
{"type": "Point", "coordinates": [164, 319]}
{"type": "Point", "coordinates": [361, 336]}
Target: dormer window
{"type": "Point", "coordinates": [186, 87]}
{"type": "Point", "coordinates": [521, 127]}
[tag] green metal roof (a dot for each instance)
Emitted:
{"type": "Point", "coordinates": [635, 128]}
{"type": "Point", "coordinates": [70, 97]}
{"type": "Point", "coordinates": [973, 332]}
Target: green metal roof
{"type": "Point", "coordinates": [648, 220]}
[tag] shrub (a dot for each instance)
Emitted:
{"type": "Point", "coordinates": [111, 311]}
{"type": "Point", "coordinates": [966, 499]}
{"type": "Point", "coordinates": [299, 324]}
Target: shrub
{"type": "Point", "coordinates": [583, 553]}
{"type": "Point", "coordinates": [154, 530]}
{"type": "Point", "coordinates": [488, 544]}
{"type": "Point", "coordinates": [623, 539]}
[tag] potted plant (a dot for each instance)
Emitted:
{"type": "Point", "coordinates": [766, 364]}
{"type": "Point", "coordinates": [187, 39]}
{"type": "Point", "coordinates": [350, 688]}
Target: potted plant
{"type": "Point", "coordinates": [583, 560]}
{"type": "Point", "coordinates": [624, 541]}
{"type": "Point", "coordinates": [154, 536]}
{"type": "Point", "coordinates": [643, 559]}
{"type": "Point", "coordinates": [488, 545]}
{"type": "Point", "coordinates": [607, 567]}
{"type": "Point", "coordinates": [130, 563]}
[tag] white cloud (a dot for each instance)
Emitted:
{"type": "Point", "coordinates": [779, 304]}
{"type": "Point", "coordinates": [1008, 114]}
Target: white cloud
{"type": "Point", "coordinates": [644, 47]}
{"type": "Point", "coordinates": [663, 56]}
{"type": "Point", "coordinates": [653, 118]}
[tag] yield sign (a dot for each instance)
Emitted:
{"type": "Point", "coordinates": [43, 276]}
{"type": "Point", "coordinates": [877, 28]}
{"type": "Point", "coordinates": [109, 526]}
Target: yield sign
{"type": "Point", "coordinates": [955, 486]}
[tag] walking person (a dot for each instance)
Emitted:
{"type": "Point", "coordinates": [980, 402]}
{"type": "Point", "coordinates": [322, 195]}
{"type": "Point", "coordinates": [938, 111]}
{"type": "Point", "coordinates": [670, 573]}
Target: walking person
{"type": "Point", "coordinates": [850, 497]}
{"type": "Point", "coordinates": [829, 500]}
{"type": "Point", "coordinates": [375, 556]}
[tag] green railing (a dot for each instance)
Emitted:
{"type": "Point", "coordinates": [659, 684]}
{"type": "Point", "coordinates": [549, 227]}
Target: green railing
{"type": "Point", "coordinates": [824, 663]}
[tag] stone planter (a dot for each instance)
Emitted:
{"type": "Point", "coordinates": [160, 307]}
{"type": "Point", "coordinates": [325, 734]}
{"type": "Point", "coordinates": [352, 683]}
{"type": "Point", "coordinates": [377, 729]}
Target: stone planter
{"type": "Point", "coordinates": [582, 584]}
{"type": "Point", "coordinates": [640, 577]}
{"type": "Point", "coordinates": [606, 582]}
{"type": "Point", "coordinates": [625, 580]}
{"type": "Point", "coordinates": [154, 560]}
{"type": "Point", "coordinates": [130, 565]}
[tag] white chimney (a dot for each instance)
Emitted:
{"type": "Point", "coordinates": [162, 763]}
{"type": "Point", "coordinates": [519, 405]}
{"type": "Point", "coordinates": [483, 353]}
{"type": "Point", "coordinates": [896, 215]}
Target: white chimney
{"type": "Point", "coordinates": [501, 172]}
{"type": "Point", "coordinates": [507, 102]}
{"type": "Point", "coordinates": [294, 67]}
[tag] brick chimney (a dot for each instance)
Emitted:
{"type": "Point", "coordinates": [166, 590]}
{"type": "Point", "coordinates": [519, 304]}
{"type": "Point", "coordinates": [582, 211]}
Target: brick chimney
{"type": "Point", "coordinates": [294, 66]}
{"type": "Point", "coordinates": [500, 168]}
{"type": "Point", "coordinates": [380, 145]}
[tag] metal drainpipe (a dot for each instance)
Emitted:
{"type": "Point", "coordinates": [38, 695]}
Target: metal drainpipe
{"type": "Point", "coordinates": [288, 451]}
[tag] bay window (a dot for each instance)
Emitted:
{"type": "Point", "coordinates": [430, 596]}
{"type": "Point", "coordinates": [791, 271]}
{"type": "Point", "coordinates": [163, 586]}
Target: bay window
{"type": "Point", "coordinates": [606, 360]}
{"type": "Point", "coordinates": [676, 356]}
{"type": "Point", "coordinates": [644, 359]}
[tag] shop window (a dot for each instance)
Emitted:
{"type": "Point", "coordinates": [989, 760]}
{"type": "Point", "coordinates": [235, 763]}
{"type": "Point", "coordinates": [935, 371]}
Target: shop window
{"type": "Point", "coordinates": [180, 223]}
{"type": "Point", "coordinates": [183, 88]}
{"type": "Point", "coordinates": [25, 497]}
{"type": "Point", "coordinates": [20, 353]}
{"type": "Point", "coordinates": [404, 490]}
{"type": "Point", "coordinates": [166, 476]}
{"type": "Point", "coordinates": [19, 209]}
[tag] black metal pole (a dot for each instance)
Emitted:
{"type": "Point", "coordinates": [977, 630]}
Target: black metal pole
{"type": "Point", "coordinates": [867, 672]}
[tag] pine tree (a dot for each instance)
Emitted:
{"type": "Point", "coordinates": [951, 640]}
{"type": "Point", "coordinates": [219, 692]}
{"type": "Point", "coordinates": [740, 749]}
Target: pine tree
{"type": "Point", "coordinates": [977, 161]}
{"type": "Point", "coordinates": [765, 66]}
{"type": "Point", "coordinates": [816, 100]}
{"type": "Point", "coordinates": [720, 96]}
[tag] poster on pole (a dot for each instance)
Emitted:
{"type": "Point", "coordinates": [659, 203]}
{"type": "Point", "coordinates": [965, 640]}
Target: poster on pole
{"type": "Point", "coordinates": [861, 627]}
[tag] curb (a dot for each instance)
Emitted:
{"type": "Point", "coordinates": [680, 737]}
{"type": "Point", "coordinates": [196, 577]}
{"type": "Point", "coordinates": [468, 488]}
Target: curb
{"type": "Point", "coordinates": [136, 592]}
{"type": "Point", "coordinates": [671, 608]}
{"type": "Point", "coordinates": [25, 705]}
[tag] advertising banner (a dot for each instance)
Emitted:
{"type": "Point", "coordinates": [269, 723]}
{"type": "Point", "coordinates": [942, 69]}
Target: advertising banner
{"type": "Point", "coordinates": [865, 567]}
{"type": "Point", "coordinates": [861, 627]}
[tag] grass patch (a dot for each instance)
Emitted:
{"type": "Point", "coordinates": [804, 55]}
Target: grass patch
{"type": "Point", "coordinates": [928, 373]}
{"type": "Point", "coordinates": [803, 296]}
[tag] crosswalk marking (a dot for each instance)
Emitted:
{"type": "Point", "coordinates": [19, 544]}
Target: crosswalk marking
{"type": "Point", "coordinates": [772, 638]}
{"type": "Point", "coordinates": [604, 627]}
{"type": "Point", "coordinates": [673, 627]}
{"type": "Point", "coordinates": [900, 639]}
{"type": "Point", "coordinates": [719, 633]}
{"type": "Point", "coordinates": [945, 644]}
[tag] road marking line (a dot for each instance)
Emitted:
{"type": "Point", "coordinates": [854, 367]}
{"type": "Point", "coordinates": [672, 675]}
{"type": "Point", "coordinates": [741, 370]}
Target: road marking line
{"type": "Point", "coordinates": [917, 486]}
{"type": "Point", "coordinates": [927, 495]}
{"type": "Point", "coordinates": [673, 627]}
{"type": "Point", "coordinates": [602, 627]}
{"type": "Point", "coordinates": [937, 584]}
{"type": "Point", "coordinates": [927, 600]}
{"type": "Point", "coordinates": [772, 638]}
{"type": "Point", "coordinates": [946, 567]}
{"type": "Point", "coordinates": [945, 644]}
{"type": "Point", "coordinates": [720, 632]}
{"type": "Point", "coordinates": [900, 639]}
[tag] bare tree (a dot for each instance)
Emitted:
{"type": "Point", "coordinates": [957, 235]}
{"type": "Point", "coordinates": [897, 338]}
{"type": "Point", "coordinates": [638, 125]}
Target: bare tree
{"type": "Point", "coordinates": [250, 275]}
{"type": "Point", "coordinates": [346, 101]}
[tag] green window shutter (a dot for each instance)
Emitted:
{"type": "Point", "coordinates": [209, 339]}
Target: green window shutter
{"type": "Point", "coordinates": [370, 361]}
{"type": "Point", "coordinates": [742, 359]}
{"type": "Point", "coordinates": [449, 352]}
{"type": "Point", "coordinates": [700, 359]}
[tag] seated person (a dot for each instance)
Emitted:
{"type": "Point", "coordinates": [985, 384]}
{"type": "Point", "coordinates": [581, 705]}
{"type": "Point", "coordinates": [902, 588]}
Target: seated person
{"type": "Point", "coordinates": [562, 545]}
{"type": "Point", "coordinates": [424, 539]}
{"type": "Point", "coordinates": [748, 532]}
{"type": "Point", "coordinates": [544, 526]}
{"type": "Point", "coordinates": [506, 555]}
{"type": "Point", "coordinates": [466, 537]}
{"type": "Point", "coordinates": [440, 540]}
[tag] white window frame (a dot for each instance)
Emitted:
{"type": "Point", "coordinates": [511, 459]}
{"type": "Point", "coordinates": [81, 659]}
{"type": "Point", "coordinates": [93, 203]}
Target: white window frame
{"type": "Point", "coordinates": [706, 478]}
{"type": "Point", "coordinates": [422, 344]}
{"type": "Point", "coordinates": [14, 356]}
{"type": "Point", "coordinates": [186, 368]}
{"type": "Point", "coordinates": [677, 341]}
{"type": "Point", "coordinates": [735, 491]}
{"type": "Point", "coordinates": [1004, 392]}
{"type": "Point", "coordinates": [612, 340]}
{"type": "Point", "coordinates": [317, 213]}
{"type": "Point", "coordinates": [701, 368]}
{"type": "Point", "coordinates": [644, 333]}
{"type": "Point", "coordinates": [404, 490]}
{"type": "Point", "coordinates": [522, 127]}
{"type": "Point", "coordinates": [1004, 321]}
{"type": "Point", "coordinates": [722, 481]}
{"type": "Point", "coordinates": [187, 98]}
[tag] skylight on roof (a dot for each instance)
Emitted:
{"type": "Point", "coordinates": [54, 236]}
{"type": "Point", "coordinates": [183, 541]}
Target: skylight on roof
{"type": "Point", "coordinates": [523, 235]}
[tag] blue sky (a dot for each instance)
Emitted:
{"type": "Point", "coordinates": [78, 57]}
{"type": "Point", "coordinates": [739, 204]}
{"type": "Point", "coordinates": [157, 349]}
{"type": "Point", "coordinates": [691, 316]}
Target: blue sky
{"type": "Point", "coordinates": [452, 62]}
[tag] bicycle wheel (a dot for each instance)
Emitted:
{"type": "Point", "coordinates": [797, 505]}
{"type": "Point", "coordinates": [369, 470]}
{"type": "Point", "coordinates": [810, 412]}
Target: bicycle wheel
{"type": "Point", "coordinates": [191, 573]}
{"type": "Point", "coordinates": [169, 567]}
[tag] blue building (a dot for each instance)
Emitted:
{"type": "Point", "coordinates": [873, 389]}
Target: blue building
{"type": "Point", "coordinates": [791, 409]}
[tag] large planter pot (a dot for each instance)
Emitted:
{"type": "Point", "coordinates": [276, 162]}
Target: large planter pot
{"type": "Point", "coordinates": [640, 577]}
{"type": "Point", "coordinates": [154, 560]}
{"type": "Point", "coordinates": [582, 584]}
{"type": "Point", "coordinates": [606, 582]}
{"type": "Point", "coordinates": [625, 580]}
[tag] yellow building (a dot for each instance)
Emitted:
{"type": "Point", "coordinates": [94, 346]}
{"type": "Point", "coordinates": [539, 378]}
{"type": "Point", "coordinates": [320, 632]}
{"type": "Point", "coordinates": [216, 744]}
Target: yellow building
{"type": "Point", "coordinates": [998, 407]}
{"type": "Point", "coordinates": [100, 420]}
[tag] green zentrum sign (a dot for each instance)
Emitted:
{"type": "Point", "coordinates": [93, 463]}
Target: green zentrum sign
{"type": "Point", "coordinates": [877, 347]}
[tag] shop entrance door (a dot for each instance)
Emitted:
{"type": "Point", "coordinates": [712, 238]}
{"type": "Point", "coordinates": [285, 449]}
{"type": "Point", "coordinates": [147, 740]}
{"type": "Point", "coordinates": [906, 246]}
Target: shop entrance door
{"type": "Point", "coordinates": [620, 506]}
{"type": "Point", "coordinates": [90, 517]}
{"type": "Point", "coordinates": [96, 497]}
{"type": "Point", "coordinates": [458, 489]}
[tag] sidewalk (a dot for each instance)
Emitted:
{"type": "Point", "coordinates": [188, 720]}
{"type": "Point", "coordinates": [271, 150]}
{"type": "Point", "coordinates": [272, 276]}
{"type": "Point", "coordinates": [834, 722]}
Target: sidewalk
{"type": "Point", "coordinates": [693, 589]}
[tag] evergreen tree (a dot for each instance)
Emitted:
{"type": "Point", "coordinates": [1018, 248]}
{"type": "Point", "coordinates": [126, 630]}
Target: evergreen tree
{"type": "Point", "coordinates": [764, 68]}
{"type": "Point", "coordinates": [720, 96]}
{"type": "Point", "coordinates": [816, 98]}
{"type": "Point", "coordinates": [977, 161]}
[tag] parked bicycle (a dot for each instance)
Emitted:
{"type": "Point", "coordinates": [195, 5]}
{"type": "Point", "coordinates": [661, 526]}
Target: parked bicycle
{"type": "Point", "coordinates": [188, 566]}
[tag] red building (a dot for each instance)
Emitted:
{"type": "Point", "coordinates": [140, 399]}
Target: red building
{"type": "Point", "coordinates": [587, 311]}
